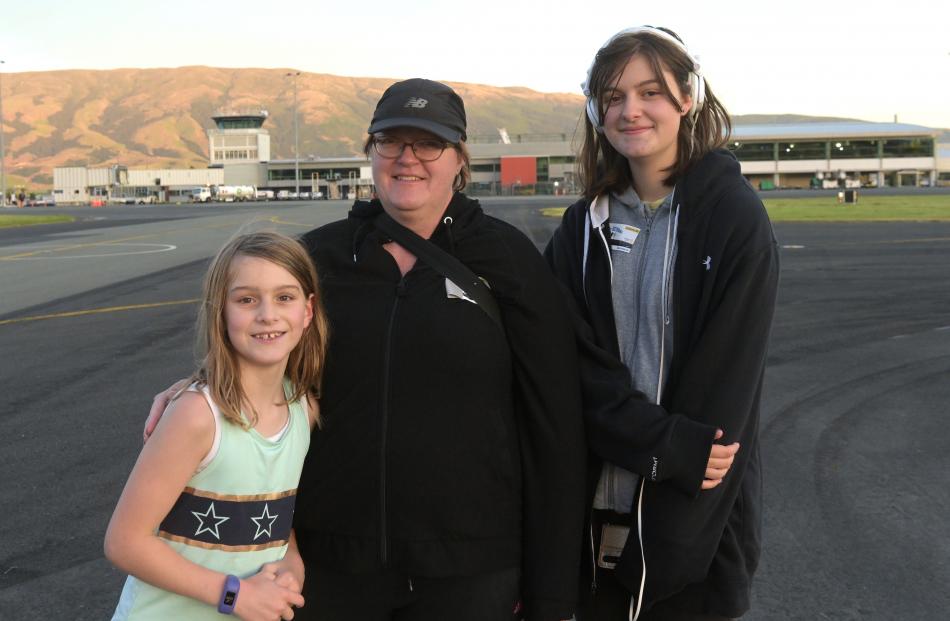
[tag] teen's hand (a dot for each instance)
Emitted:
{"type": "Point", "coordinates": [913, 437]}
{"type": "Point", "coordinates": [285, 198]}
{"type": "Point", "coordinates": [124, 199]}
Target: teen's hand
{"type": "Point", "coordinates": [159, 403]}
{"type": "Point", "coordinates": [262, 599]}
{"type": "Point", "coordinates": [721, 457]}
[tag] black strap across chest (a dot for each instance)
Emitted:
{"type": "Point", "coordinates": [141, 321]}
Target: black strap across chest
{"type": "Point", "coordinates": [444, 263]}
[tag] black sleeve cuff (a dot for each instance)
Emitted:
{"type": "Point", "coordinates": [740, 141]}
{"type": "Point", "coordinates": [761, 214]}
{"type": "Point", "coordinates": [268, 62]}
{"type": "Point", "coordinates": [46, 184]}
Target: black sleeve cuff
{"type": "Point", "coordinates": [691, 443]}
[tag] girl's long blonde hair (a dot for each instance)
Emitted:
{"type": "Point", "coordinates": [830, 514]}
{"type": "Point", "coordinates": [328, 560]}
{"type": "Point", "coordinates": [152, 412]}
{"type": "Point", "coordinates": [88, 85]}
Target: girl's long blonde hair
{"type": "Point", "coordinates": [218, 366]}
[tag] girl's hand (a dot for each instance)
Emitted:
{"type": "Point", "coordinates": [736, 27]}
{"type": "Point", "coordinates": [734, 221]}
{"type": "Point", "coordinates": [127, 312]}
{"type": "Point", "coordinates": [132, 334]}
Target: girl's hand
{"type": "Point", "coordinates": [290, 570]}
{"type": "Point", "coordinates": [720, 460]}
{"type": "Point", "coordinates": [262, 599]}
{"type": "Point", "coordinates": [159, 403]}
{"type": "Point", "coordinates": [288, 574]}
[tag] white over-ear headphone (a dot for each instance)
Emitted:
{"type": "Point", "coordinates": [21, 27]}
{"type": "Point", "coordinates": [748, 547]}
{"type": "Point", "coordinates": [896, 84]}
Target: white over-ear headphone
{"type": "Point", "coordinates": [696, 82]}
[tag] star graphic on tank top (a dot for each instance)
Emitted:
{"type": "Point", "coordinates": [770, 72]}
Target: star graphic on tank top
{"type": "Point", "coordinates": [259, 521]}
{"type": "Point", "coordinates": [211, 516]}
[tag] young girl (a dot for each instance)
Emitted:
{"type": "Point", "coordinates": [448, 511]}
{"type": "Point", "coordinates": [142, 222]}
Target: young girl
{"type": "Point", "coordinates": [671, 258]}
{"type": "Point", "coordinates": [206, 514]}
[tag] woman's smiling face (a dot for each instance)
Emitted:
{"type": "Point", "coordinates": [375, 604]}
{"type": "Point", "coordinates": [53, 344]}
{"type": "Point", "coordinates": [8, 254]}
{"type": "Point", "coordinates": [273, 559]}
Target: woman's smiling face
{"type": "Point", "coordinates": [406, 183]}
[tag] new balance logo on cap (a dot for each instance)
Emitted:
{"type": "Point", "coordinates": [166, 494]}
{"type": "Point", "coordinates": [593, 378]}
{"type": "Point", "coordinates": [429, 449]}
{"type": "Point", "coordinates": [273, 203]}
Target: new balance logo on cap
{"type": "Point", "coordinates": [421, 104]}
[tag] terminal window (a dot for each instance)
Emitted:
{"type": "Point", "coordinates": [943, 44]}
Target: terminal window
{"type": "Point", "coordinates": [485, 167]}
{"type": "Point", "coordinates": [841, 149]}
{"type": "Point", "coordinates": [753, 151]}
{"type": "Point", "coordinates": [802, 150]}
{"type": "Point", "coordinates": [908, 147]}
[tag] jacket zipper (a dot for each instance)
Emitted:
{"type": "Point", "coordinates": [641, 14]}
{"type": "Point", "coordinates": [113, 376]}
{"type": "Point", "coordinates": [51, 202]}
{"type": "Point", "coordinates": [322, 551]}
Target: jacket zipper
{"type": "Point", "coordinates": [384, 428]}
{"type": "Point", "coordinates": [634, 612]}
{"type": "Point", "coordinates": [642, 252]}
{"type": "Point", "coordinates": [641, 269]}
{"type": "Point", "coordinates": [608, 467]}
{"type": "Point", "coordinates": [593, 556]}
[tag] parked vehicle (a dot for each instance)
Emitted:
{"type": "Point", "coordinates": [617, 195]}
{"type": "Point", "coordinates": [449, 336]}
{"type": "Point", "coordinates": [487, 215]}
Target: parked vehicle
{"type": "Point", "coordinates": [41, 201]}
{"type": "Point", "coordinates": [265, 195]}
{"type": "Point", "coordinates": [201, 195]}
{"type": "Point", "coordinates": [232, 193]}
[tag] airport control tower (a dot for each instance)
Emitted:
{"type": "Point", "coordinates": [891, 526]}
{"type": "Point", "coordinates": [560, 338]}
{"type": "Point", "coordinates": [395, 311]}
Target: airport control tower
{"type": "Point", "coordinates": [239, 137]}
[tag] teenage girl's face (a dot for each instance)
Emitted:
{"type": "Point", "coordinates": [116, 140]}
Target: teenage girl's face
{"type": "Point", "coordinates": [266, 312]}
{"type": "Point", "coordinates": [640, 122]}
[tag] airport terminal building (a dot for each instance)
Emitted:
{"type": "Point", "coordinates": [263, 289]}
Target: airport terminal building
{"type": "Point", "coordinates": [802, 155]}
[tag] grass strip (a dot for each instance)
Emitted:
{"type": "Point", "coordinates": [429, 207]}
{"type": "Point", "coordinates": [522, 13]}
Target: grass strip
{"type": "Point", "coordinates": [930, 208]}
{"type": "Point", "coordinates": [16, 220]}
{"type": "Point", "coordinates": [921, 208]}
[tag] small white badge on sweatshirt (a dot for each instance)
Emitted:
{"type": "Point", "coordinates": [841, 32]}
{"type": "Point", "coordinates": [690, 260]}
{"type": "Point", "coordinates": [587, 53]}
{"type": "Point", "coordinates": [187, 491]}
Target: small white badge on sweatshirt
{"type": "Point", "coordinates": [452, 290]}
{"type": "Point", "coordinates": [622, 237]}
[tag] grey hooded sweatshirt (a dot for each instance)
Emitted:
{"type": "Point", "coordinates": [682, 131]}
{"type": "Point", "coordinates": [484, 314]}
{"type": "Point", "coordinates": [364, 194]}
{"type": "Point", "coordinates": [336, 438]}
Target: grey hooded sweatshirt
{"type": "Point", "coordinates": [642, 253]}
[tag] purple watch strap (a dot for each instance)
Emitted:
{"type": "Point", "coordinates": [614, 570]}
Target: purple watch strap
{"type": "Point", "coordinates": [232, 585]}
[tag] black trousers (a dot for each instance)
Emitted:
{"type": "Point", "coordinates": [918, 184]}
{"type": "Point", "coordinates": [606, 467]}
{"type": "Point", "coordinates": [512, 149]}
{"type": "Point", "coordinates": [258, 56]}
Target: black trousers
{"type": "Point", "coordinates": [611, 600]}
{"type": "Point", "coordinates": [394, 596]}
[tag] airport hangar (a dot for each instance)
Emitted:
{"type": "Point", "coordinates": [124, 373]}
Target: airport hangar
{"type": "Point", "coordinates": [819, 154]}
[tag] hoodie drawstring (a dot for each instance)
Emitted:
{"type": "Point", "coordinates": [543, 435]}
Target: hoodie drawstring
{"type": "Point", "coordinates": [447, 221]}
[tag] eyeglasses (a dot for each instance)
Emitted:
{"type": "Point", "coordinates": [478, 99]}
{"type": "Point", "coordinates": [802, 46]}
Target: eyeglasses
{"type": "Point", "coordinates": [425, 150]}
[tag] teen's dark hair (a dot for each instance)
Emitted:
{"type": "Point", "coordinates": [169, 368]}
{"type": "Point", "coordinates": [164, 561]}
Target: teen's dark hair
{"type": "Point", "coordinates": [601, 168]}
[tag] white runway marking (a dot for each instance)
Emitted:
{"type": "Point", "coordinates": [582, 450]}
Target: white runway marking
{"type": "Point", "coordinates": [151, 249]}
{"type": "Point", "coordinates": [792, 247]}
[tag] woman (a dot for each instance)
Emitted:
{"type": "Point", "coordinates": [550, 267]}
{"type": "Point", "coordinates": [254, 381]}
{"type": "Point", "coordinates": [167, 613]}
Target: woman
{"type": "Point", "coordinates": [671, 259]}
{"type": "Point", "coordinates": [447, 479]}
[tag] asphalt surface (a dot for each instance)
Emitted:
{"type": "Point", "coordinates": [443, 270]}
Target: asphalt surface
{"type": "Point", "coordinates": [854, 425]}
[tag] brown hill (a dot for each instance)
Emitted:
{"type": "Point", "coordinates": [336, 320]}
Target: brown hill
{"type": "Point", "coordinates": [157, 118]}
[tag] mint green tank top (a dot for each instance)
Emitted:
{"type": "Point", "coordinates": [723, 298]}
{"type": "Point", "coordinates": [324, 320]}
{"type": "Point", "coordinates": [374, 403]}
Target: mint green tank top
{"type": "Point", "coordinates": [234, 515]}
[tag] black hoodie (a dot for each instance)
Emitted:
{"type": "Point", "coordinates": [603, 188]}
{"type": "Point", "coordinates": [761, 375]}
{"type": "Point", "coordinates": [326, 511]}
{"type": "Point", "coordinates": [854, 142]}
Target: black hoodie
{"type": "Point", "coordinates": [449, 447]}
{"type": "Point", "coordinates": [703, 546]}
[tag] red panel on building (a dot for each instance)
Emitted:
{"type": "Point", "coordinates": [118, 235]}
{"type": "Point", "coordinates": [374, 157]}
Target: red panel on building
{"type": "Point", "coordinates": [519, 170]}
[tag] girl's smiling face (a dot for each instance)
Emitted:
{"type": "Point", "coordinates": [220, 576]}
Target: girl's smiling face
{"type": "Point", "coordinates": [266, 312]}
{"type": "Point", "coordinates": [640, 121]}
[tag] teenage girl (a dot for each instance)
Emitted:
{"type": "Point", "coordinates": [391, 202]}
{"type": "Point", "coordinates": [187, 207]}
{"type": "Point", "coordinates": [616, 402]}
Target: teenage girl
{"type": "Point", "coordinates": [205, 519]}
{"type": "Point", "coordinates": [671, 259]}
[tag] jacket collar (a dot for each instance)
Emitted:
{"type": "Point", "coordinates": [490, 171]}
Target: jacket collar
{"type": "Point", "coordinates": [462, 217]}
{"type": "Point", "coordinates": [700, 187]}
{"type": "Point", "coordinates": [600, 210]}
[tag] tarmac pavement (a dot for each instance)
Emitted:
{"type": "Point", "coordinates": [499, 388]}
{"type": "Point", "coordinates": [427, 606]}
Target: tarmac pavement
{"type": "Point", "coordinates": [854, 433]}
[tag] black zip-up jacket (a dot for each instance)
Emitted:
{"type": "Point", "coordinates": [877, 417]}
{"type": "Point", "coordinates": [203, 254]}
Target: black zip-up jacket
{"type": "Point", "coordinates": [449, 447]}
{"type": "Point", "coordinates": [704, 546]}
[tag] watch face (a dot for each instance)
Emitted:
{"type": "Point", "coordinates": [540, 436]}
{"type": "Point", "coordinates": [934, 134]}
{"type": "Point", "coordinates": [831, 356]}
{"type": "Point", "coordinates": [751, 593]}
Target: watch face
{"type": "Point", "coordinates": [229, 598]}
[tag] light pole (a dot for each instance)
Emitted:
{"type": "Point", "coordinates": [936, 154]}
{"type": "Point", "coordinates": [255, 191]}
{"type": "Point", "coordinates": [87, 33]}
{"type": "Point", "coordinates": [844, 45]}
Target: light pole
{"type": "Point", "coordinates": [3, 172]}
{"type": "Point", "coordinates": [294, 75]}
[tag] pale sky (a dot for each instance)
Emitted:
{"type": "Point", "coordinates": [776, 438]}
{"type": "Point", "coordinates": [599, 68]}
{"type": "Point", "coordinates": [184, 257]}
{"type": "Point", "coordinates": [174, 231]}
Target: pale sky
{"type": "Point", "coordinates": [847, 58]}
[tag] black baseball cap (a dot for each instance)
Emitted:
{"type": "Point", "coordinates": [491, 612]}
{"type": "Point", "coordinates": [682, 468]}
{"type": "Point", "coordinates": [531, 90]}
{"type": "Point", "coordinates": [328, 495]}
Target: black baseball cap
{"type": "Point", "coordinates": [423, 104]}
